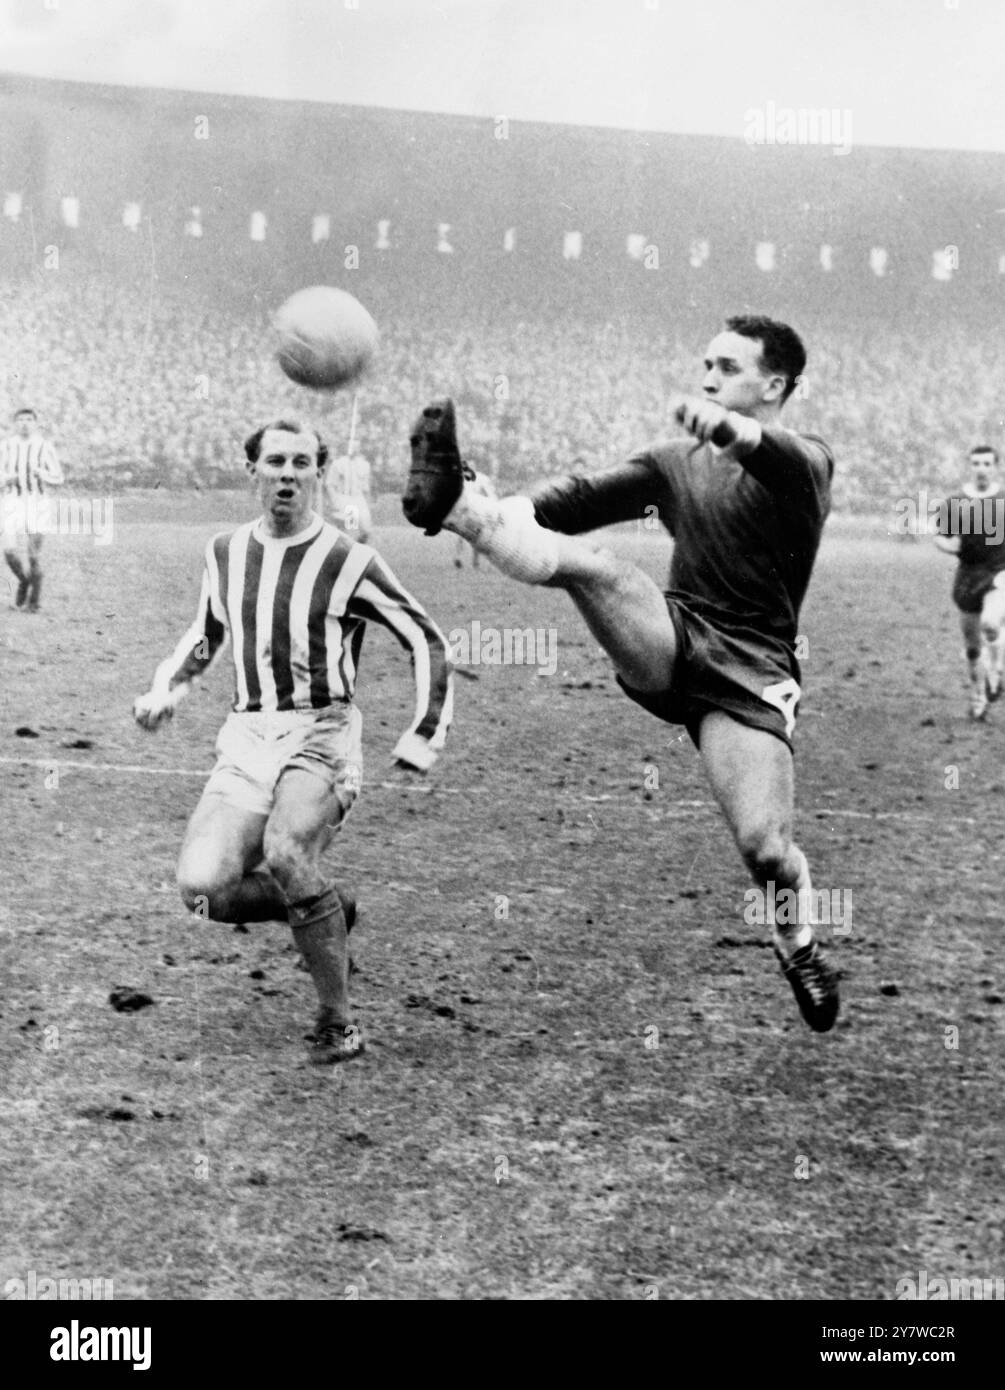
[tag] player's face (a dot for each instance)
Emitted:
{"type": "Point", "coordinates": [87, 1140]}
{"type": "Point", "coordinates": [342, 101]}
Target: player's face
{"type": "Point", "coordinates": [982, 471]}
{"type": "Point", "coordinates": [286, 478]}
{"type": "Point", "coordinates": [24, 424]}
{"type": "Point", "coordinates": [735, 377]}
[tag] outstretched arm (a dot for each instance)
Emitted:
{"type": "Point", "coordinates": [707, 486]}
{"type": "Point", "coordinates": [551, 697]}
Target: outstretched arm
{"type": "Point", "coordinates": [780, 460]}
{"type": "Point", "coordinates": [586, 501]}
{"type": "Point", "coordinates": [191, 658]}
{"type": "Point", "coordinates": [379, 596]}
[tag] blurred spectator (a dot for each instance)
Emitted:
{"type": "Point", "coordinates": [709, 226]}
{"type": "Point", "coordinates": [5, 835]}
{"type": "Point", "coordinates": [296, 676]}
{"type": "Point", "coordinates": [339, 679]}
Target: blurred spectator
{"type": "Point", "coordinates": [164, 383]}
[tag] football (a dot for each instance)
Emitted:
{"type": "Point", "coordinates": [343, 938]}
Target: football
{"type": "Point", "coordinates": [326, 338]}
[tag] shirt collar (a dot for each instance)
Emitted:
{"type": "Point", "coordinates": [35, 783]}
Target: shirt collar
{"type": "Point", "coordinates": [308, 533]}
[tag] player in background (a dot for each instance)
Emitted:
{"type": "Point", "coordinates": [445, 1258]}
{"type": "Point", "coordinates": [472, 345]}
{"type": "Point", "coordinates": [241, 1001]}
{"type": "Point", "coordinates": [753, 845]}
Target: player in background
{"type": "Point", "coordinates": [745, 500]}
{"type": "Point", "coordinates": [483, 486]}
{"type": "Point", "coordinates": [347, 495]}
{"type": "Point", "coordinates": [28, 468]}
{"type": "Point", "coordinates": [971, 525]}
{"type": "Point", "coordinates": [293, 595]}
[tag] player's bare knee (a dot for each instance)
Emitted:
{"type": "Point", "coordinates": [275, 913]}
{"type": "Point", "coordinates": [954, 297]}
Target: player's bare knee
{"type": "Point", "coordinates": [765, 851]}
{"type": "Point", "coordinates": [287, 858]}
{"type": "Point", "coordinates": [205, 894]}
{"type": "Point", "coordinates": [589, 566]}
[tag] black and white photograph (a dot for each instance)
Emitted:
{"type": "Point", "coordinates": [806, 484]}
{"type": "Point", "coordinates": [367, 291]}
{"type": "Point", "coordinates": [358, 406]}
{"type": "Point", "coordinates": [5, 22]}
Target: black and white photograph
{"type": "Point", "coordinates": [502, 622]}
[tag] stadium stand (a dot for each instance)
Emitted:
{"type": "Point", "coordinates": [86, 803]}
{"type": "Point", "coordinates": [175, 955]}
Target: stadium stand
{"type": "Point", "coordinates": [557, 282]}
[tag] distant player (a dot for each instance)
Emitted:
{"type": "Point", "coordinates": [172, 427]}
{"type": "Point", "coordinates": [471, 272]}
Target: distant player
{"type": "Point", "coordinates": [347, 495]}
{"type": "Point", "coordinates": [482, 486]}
{"type": "Point", "coordinates": [745, 500]}
{"type": "Point", "coordinates": [28, 469]}
{"type": "Point", "coordinates": [971, 526]}
{"type": "Point", "coordinates": [293, 595]}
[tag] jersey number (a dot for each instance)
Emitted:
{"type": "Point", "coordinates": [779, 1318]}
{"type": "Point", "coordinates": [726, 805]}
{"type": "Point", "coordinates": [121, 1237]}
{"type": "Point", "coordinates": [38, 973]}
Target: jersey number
{"type": "Point", "coordinates": [784, 695]}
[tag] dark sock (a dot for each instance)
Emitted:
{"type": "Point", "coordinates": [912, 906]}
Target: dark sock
{"type": "Point", "coordinates": [319, 930]}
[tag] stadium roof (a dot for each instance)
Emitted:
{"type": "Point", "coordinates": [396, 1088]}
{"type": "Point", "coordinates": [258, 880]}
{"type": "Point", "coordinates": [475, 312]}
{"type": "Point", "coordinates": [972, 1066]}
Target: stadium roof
{"type": "Point", "coordinates": [907, 74]}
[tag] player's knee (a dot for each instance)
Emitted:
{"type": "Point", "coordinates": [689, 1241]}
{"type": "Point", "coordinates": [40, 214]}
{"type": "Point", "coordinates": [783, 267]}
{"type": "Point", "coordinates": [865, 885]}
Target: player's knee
{"type": "Point", "coordinates": [286, 857]}
{"type": "Point", "coordinates": [204, 889]}
{"type": "Point", "coordinates": [206, 899]}
{"type": "Point", "coordinates": [973, 653]}
{"type": "Point", "coordinates": [595, 566]}
{"type": "Point", "coordinates": [609, 568]}
{"type": "Point", "coordinates": [765, 852]}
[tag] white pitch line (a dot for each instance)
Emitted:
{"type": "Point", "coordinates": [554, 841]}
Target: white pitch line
{"type": "Point", "coordinates": [844, 813]}
{"type": "Point", "coordinates": [838, 812]}
{"type": "Point", "coordinates": [107, 767]}
{"type": "Point", "coordinates": [145, 771]}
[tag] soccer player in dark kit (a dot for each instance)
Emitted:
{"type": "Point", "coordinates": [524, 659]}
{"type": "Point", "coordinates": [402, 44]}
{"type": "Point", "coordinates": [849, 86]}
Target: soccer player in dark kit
{"type": "Point", "coordinates": [971, 526]}
{"type": "Point", "coordinates": [745, 500]}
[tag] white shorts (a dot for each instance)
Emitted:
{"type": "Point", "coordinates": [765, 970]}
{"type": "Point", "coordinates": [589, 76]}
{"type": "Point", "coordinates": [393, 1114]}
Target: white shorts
{"type": "Point", "coordinates": [993, 607]}
{"type": "Point", "coordinates": [21, 516]}
{"type": "Point", "coordinates": [254, 750]}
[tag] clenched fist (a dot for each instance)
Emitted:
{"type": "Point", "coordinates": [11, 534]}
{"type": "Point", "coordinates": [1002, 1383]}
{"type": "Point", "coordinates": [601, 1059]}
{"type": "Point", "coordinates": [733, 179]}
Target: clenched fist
{"type": "Point", "coordinates": [711, 423]}
{"type": "Point", "coordinates": [151, 710]}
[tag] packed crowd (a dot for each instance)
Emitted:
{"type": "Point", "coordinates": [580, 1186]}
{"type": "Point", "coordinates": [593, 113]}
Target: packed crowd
{"type": "Point", "coordinates": [153, 384]}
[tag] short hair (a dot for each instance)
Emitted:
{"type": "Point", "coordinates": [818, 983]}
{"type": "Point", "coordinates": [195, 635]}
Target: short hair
{"type": "Point", "coordinates": [985, 449]}
{"type": "Point", "coordinates": [253, 443]}
{"type": "Point", "coordinates": [26, 410]}
{"type": "Point", "coordinates": [782, 348]}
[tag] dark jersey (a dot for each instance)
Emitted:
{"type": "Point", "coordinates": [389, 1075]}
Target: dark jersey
{"type": "Point", "coordinates": [746, 530]}
{"type": "Point", "coordinates": [978, 519]}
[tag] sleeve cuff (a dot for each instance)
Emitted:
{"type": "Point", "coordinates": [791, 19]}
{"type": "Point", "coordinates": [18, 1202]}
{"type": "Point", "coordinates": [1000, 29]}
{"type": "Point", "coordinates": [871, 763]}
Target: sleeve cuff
{"type": "Point", "coordinates": [748, 433]}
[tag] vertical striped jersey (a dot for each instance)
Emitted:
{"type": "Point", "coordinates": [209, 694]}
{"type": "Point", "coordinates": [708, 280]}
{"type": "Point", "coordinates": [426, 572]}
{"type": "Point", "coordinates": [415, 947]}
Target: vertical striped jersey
{"type": "Point", "coordinates": [28, 466]}
{"type": "Point", "coordinates": [295, 610]}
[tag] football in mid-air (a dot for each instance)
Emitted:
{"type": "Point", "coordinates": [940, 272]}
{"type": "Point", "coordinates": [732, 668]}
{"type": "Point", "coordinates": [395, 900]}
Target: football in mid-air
{"type": "Point", "coordinates": [326, 338]}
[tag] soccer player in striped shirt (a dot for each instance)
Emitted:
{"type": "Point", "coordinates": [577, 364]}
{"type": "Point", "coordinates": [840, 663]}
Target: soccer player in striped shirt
{"type": "Point", "coordinates": [28, 466]}
{"type": "Point", "coordinates": [293, 594]}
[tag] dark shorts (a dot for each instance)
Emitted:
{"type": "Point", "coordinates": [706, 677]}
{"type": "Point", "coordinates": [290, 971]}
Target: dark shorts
{"type": "Point", "coordinates": [972, 585]}
{"type": "Point", "coordinates": [750, 681]}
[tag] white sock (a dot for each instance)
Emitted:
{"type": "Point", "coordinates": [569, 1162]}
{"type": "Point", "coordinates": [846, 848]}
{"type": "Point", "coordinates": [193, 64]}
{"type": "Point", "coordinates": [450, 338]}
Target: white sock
{"type": "Point", "coordinates": [793, 936]}
{"type": "Point", "coordinates": [506, 533]}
